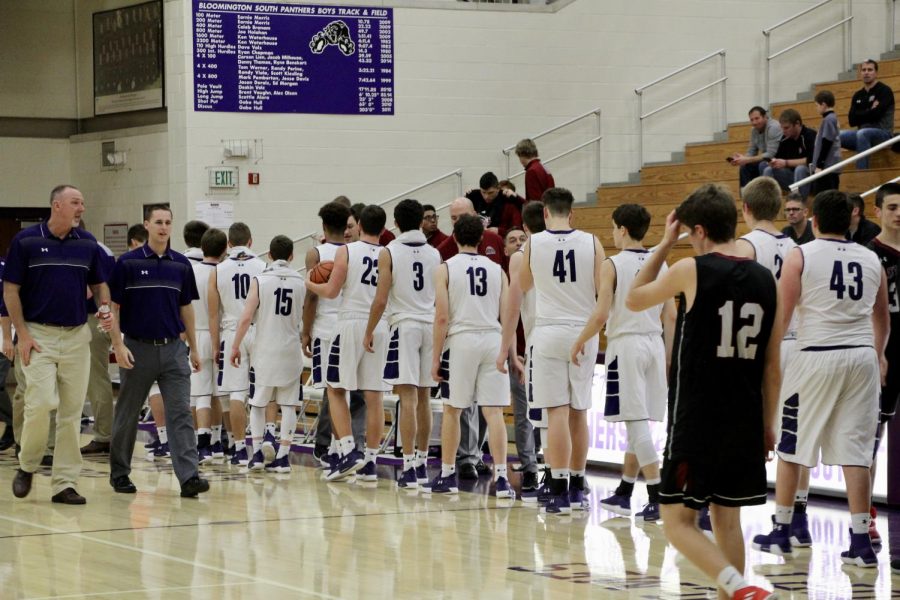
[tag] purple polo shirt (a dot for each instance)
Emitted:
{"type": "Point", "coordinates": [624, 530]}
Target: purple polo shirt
{"type": "Point", "coordinates": [54, 274]}
{"type": "Point", "coordinates": [150, 291]}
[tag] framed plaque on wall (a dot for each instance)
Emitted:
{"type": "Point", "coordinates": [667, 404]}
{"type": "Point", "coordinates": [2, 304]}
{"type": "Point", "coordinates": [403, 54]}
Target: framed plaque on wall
{"type": "Point", "coordinates": [128, 59]}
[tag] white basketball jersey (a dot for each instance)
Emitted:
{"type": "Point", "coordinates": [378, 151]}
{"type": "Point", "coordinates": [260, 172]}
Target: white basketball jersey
{"type": "Point", "coordinates": [771, 249]}
{"type": "Point", "coordinates": [276, 353]}
{"type": "Point", "coordinates": [412, 271]}
{"type": "Point", "coordinates": [202, 271]}
{"type": "Point", "coordinates": [562, 264]}
{"type": "Point", "coordinates": [839, 285]}
{"type": "Point", "coordinates": [194, 254]}
{"type": "Point", "coordinates": [474, 284]}
{"type": "Point", "coordinates": [233, 277]}
{"type": "Point", "coordinates": [527, 312]}
{"type": "Point", "coordinates": [362, 279]}
{"type": "Point", "coordinates": [622, 321]}
{"type": "Point", "coordinates": [327, 308]}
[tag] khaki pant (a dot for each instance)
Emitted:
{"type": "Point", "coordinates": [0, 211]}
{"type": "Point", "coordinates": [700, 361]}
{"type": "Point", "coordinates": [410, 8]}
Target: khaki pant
{"type": "Point", "coordinates": [18, 409]}
{"type": "Point", "coordinates": [57, 380]}
{"type": "Point", "coordinates": [99, 392]}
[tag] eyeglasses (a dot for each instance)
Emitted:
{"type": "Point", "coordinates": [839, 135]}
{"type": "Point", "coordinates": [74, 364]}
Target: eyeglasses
{"type": "Point", "coordinates": [790, 210]}
{"type": "Point", "coordinates": [430, 217]}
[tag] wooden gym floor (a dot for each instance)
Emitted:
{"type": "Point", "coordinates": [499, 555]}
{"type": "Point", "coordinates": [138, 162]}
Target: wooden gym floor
{"type": "Point", "coordinates": [295, 536]}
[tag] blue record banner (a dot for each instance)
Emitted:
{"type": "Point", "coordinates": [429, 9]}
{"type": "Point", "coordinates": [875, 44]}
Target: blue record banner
{"type": "Point", "coordinates": [293, 58]}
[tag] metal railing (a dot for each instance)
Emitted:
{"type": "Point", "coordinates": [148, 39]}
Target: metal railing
{"type": "Point", "coordinates": [596, 139]}
{"type": "Point", "coordinates": [875, 189]}
{"type": "Point", "coordinates": [883, 145]}
{"type": "Point", "coordinates": [848, 39]}
{"type": "Point", "coordinates": [640, 94]}
{"type": "Point", "coordinates": [893, 28]}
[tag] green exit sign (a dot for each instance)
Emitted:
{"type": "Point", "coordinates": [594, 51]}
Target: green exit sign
{"type": "Point", "coordinates": [223, 178]}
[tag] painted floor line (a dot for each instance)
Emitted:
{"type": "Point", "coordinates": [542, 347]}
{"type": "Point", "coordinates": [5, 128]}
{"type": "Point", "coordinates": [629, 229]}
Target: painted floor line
{"type": "Point", "coordinates": [143, 591]}
{"type": "Point", "coordinates": [189, 563]}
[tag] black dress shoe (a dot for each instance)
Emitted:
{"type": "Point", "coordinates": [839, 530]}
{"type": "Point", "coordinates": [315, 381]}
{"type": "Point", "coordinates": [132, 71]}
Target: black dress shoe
{"type": "Point", "coordinates": [482, 468]}
{"type": "Point", "coordinates": [47, 461]}
{"type": "Point", "coordinates": [69, 496]}
{"type": "Point", "coordinates": [194, 486]}
{"type": "Point", "coordinates": [529, 481]}
{"type": "Point", "coordinates": [123, 485]}
{"type": "Point", "coordinates": [467, 471]}
{"type": "Point", "coordinates": [95, 447]}
{"type": "Point", "coordinates": [22, 483]}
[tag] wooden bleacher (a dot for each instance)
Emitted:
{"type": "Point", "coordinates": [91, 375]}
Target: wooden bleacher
{"type": "Point", "coordinates": [664, 186]}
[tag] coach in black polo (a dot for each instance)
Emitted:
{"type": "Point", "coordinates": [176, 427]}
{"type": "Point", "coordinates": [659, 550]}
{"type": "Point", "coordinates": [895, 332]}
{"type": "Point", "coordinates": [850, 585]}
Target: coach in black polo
{"type": "Point", "coordinates": [48, 270]}
{"type": "Point", "coordinates": [152, 288]}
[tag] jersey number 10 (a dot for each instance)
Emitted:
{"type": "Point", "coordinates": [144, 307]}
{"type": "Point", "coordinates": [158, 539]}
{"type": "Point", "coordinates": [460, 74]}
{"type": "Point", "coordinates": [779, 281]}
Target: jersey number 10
{"type": "Point", "coordinates": [751, 315]}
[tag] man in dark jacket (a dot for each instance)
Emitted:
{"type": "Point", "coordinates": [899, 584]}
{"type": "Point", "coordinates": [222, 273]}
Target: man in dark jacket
{"type": "Point", "coordinates": [795, 152]}
{"type": "Point", "coordinates": [871, 112]}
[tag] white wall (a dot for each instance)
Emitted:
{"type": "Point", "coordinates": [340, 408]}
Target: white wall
{"type": "Point", "coordinates": [467, 83]}
{"type": "Point", "coordinates": [30, 168]}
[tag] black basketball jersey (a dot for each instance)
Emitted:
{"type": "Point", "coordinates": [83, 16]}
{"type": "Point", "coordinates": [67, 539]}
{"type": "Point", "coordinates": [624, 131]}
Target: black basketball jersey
{"type": "Point", "coordinates": [890, 262]}
{"type": "Point", "coordinates": [715, 388]}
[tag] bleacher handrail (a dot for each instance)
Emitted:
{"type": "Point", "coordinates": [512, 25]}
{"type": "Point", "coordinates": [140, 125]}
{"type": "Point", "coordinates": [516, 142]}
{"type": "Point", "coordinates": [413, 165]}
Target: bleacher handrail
{"type": "Point", "coordinates": [640, 94]}
{"type": "Point", "coordinates": [848, 39]}
{"type": "Point", "coordinates": [818, 175]}
{"type": "Point", "coordinates": [875, 189]}
{"type": "Point", "coordinates": [597, 112]}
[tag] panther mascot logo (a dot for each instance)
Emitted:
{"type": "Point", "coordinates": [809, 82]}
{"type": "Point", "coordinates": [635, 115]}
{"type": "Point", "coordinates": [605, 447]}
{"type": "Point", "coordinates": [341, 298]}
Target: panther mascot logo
{"type": "Point", "coordinates": [335, 33]}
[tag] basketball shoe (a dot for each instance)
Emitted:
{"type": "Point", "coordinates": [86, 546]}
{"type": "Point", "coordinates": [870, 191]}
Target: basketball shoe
{"type": "Point", "coordinates": [777, 542]}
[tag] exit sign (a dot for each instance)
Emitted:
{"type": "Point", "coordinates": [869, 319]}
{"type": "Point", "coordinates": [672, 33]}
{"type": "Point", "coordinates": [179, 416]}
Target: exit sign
{"type": "Point", "coordinates": [223, 179]}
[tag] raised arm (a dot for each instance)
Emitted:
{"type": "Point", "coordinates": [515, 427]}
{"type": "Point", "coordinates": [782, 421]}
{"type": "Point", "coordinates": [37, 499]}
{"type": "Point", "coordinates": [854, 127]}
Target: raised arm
{"type": "Point", "coordinates": [382, 291]}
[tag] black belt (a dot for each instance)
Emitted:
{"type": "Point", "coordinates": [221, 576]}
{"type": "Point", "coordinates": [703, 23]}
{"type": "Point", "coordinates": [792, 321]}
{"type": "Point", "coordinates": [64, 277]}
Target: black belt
{"type": "Point", "coordinates": [155, 341]}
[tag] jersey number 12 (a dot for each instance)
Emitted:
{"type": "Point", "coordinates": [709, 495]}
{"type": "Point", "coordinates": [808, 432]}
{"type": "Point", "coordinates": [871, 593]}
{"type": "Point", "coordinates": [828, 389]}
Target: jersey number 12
{"type": "Point", "coordinates": [751, 315]}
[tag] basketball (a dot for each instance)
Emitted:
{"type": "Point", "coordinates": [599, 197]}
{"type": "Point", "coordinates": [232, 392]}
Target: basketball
{"type": "Point", "coordinates": [321, 272]}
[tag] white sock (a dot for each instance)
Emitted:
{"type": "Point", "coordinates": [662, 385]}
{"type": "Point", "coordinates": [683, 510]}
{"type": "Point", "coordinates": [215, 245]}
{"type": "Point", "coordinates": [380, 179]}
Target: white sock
{"type": "Point", "coordinates": [270, 428]}
{"type": "Point", "coordinates": [802, 496]}
{"type": "Point", "coordinates": [216, 432]}
{"type": "Point", "coordinates": [283, 451]}
{"type": "Point", "coordinates": [859, 522]}
{"type": "Point", "coordinates": [203, 430]}
{"type": "Point", "coordinates": [559, 473]}
{"type": "Point", "coordinates": [371, 454]}
{"type": "Point", "coordinates": [579, 473]}
{"type": "Point", "coordinates": [654, 481]}
{"type": "Point", "coordinates": [346, 445]}
{"type": "Point", "coordinates": [629, 479]}
{"type": "Point", "coordinates": [447, 470]}
{"type": "Point", "coordinates": [409, 462]}
{"type": "Point", "coordinates": [239, 445]}
{"type": "Point", "coordinates": [784, 514]}
{"type": "Point", "coordinates": [500, 471]}
{"type": "Point", "coordinates": [230, 439]}
{"type": "Point", "coordinates": [163, 436]}
{"type": "Point", "coordinates": [421, 458]}
{"type": "Point", "coordinates": [730, 580]}
{"type": "Point", "coordinates": [334, 447]}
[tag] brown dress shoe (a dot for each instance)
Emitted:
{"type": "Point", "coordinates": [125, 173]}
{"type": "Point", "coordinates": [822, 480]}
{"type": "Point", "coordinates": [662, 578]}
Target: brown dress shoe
{"type": "Point", "coordinates": [69, 496]}
{"type": "Point", "coordinates": [95, 447]}
{"type": "Point", "coordinates": [21, 483]}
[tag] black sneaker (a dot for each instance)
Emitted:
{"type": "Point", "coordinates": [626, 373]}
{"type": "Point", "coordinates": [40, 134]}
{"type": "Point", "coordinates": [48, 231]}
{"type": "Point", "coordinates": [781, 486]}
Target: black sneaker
{"type": "Point", "coordinates": [529, 481]}
{"type": "Point", "coordinates": [123, 485]}
{"type": "Point", "coordinates": [194, 486]}
{"type": "Point", "coordinates": [467, 471]}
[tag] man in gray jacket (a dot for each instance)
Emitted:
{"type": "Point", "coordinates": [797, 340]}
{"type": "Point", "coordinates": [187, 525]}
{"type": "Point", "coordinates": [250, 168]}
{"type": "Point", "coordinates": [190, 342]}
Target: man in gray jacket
{"type": "Point", "coordinates": [764, 139]}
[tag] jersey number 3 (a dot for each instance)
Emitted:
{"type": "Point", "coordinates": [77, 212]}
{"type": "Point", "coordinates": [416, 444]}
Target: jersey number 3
{"type": "Point", "coordinates": [751, 315]}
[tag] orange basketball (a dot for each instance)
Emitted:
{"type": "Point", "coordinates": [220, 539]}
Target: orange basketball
{"type": "Point", "coordinates": [321, 272]}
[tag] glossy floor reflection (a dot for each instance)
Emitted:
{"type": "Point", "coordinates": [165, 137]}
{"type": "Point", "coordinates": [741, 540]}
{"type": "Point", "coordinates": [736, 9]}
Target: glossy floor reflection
{"type": "Point", "coordinates": [296, 536]}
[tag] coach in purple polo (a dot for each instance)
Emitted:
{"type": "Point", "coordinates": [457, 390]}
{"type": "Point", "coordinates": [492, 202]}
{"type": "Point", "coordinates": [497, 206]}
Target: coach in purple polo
{"type": "Point", "coordinates": [47, 273]}
{"type": "Point", "coordinates": [152, 288]}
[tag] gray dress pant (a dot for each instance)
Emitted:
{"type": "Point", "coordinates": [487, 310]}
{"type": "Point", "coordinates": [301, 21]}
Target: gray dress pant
{"type": "Point", "coordinates": [168, 365]}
